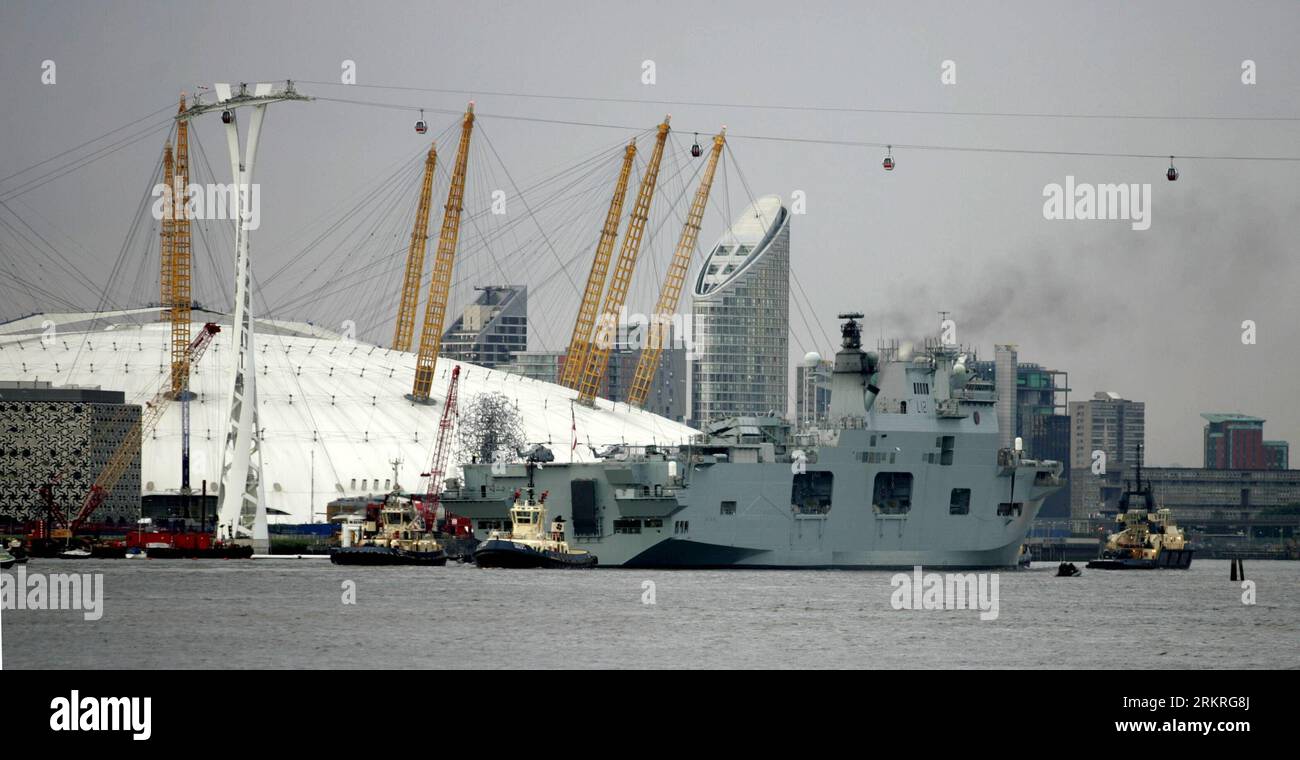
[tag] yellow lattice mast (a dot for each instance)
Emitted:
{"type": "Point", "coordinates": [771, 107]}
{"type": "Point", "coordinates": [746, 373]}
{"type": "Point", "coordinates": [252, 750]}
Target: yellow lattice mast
{"type": "Point", "coordinates": [166, 236]}
{"type": "Point", "coordinates": [603, 339]}
{"type": "Point", "coordinates": [579, 345]}
{"type": "Point", "coordinates": [440, 283]}
{"type": "Point", "coordinates": [181, 260]}
{"type": "Point", "coordinates": [410, 300]}
{"type": "Point", "coordinates": [658, 333]}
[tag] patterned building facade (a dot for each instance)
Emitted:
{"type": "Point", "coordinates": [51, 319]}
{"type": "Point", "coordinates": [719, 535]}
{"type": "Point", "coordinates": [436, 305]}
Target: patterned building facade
{"type": "Point", "coordinates": [65, 435]}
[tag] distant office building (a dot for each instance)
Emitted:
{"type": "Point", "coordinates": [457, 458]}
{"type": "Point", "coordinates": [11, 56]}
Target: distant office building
{"type": "Point", "coordinates": [741, 312]}
{"type": "Point", "coordinates": [1039, 410]}
{"type": "Point", "coordinates": [667, 396]}
{"type": "Point", "coordinates": [490, 330]}
{"type": "Point", "coordinates": [812, 384]}
{"type": "Point", "coordinates": [1005, 367]}
{"type": "Point", "coordinates": [1038, 414]}
{"type": "Point", "coordinates": [1107, 423]}
{"type": "Point", "coordinates": [1277, 455]}
{"type": "Point", "coordinates": [1225, 497]}
{"type": "Point", "coordinates": [537, 365]}
{"type": "Point", "coordinates": [1234, 442]}
{"type": "Point", "coordinates": [64, 436]}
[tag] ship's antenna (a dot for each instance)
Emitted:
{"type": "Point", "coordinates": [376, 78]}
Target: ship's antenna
{"type": "Point", "coordinates": [1139, 466]}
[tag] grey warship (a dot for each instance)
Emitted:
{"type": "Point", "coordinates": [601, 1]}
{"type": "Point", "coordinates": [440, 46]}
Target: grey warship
{"type": "Point", "coordinates": [908, 470]}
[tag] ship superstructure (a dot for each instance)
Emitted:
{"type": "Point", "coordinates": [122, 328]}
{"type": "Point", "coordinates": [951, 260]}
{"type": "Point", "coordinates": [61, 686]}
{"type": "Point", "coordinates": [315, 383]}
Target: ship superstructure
{"type": "Point", "coordinates": [907, 470]}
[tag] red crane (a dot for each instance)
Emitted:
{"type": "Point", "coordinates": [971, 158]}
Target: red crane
{"type": "Point", "coordinates": [441, 453]}
{"type": "Point", "coordinates": [149, 418]}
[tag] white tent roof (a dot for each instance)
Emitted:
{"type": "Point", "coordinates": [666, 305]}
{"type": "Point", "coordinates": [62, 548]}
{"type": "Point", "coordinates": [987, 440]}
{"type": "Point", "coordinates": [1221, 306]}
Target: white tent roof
{"type": "Point", "coordinates": [334, 412]}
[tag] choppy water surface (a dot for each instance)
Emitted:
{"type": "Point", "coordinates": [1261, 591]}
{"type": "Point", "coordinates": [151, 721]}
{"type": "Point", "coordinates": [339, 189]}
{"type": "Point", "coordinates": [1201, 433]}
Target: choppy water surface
{"type": "Point", "coordinates": [286, 614]}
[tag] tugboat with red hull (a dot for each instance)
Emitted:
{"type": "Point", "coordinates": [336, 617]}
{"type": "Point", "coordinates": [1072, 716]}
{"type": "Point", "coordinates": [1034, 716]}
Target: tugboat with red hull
{"type": "Point", "coordinates": [528, 544]}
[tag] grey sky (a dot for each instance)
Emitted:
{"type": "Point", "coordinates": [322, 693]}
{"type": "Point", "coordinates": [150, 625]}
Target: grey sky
{"type": "Point", "coordinates": [1153, 315]}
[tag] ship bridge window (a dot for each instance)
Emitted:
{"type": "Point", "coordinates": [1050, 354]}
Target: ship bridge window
{"type": "Point", "coordinates": [810, 493]}
{"type": "Point", "coordinates": [627, 526]}
{"type": "Point", "coordinates": [892, 494]}
{"type": "Point", "coordinates": [959, 504]}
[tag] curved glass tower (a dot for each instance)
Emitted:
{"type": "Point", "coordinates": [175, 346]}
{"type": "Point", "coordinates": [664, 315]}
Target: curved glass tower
{"type": "Point", "coordinates": [741, 312]}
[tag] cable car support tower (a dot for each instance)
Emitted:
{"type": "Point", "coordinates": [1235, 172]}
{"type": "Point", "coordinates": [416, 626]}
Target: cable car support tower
{"type": "Point", "coordinates": [240, 496]}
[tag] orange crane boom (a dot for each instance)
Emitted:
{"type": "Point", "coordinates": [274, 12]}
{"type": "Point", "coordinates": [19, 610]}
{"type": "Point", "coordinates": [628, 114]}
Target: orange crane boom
{"type": "Point", "coordinates": [670, 295]}
{"type": "Point", "coordinates": [180, 263]}
{"type": "Point", "coordinates": [440, 283]}
{"type": "Point", "coordinates": [410, 299]}
{"type": "Point", "coordinates": [575, 359]}
{"type": "Point", "coordinates": [603, 339]}
{"type": "Point", "coordinates": [150, 416]}
{"type": "Point", "coordinates": [167, 236]}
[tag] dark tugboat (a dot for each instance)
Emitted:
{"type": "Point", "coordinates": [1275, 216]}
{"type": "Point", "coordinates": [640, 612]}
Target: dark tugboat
{"type": "Point", "coordinates": [1147, 539]}
{"type": "Point", "coordinates": [528, 544]}
{"type": "Point", "coordinates": [391, 534]}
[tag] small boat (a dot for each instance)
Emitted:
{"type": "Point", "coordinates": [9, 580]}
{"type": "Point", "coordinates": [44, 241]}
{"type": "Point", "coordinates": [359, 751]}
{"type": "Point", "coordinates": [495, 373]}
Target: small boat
{"type": "Point", "coordinates": [77, 553]}
{"type": "Point", "coordinates": [1148, 538]}
{"type": "Point", "coordinates": [393, 533]}
{"type": "Point", "coordinates": [16, 552]}
{"type": "Point", "coordinates": [528, 545]}
{"type": "Point", "coordinates": [1068, 570]}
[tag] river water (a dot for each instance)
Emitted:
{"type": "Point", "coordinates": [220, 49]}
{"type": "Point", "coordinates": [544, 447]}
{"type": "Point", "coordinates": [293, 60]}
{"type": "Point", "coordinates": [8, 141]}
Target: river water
{"type": "Point", "coordinates": [293, 614]}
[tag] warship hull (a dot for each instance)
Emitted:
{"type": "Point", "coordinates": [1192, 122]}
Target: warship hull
{"type": "Point", "coordinates": [698, 514]}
